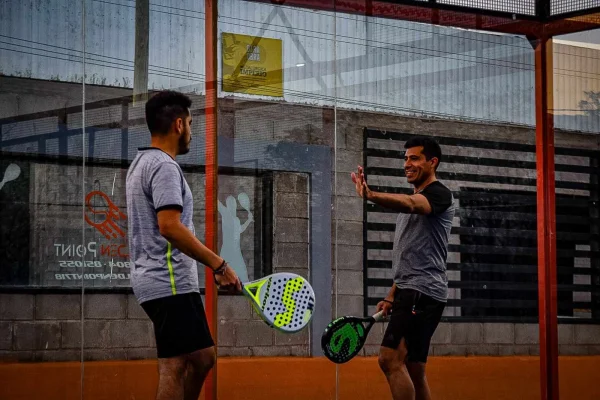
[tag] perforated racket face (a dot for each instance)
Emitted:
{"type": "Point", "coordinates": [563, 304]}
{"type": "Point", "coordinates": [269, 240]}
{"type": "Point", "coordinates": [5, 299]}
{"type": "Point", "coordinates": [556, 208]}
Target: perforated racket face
{"type": "Point", "coordinates": [343, 338]}
{"type": "Point", "coordinates": [285, 301]}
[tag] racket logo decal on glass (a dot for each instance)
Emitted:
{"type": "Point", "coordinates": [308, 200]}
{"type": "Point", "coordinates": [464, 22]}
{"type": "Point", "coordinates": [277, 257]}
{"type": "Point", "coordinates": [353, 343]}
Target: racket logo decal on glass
{"type": "Point", "coordinates": [284, 301]}
{"type": "Point", "coordinates": [344, 337]}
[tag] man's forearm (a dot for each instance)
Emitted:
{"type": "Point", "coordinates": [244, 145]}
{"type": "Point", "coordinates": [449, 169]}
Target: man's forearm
{"type": "Point", "coordinates": [400, 202]}
{"type": "Point", "coordinates": [391, 293]}
{"type": "Point", "coordinates": [184, 240]}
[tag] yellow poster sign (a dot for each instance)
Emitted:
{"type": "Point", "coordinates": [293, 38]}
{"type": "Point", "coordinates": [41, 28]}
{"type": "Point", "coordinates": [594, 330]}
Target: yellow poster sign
{"type": "Point", "coordinates": [252, 65]}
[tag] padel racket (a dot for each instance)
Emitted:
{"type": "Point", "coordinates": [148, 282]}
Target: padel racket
{"type": "Point", "coordinates": [284, 301]}
{"type": "Point", "coordinates": [344, 337]}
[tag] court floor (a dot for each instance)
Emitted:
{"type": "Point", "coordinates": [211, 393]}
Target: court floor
{"type": "Point", "coordinates": [296, 378]}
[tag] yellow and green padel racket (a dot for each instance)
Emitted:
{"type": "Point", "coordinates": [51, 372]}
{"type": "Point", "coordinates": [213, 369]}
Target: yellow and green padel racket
{"type": "Point", "coordinates": [344, 337]}
{"type": "Point", "coordinates": [285, 301]}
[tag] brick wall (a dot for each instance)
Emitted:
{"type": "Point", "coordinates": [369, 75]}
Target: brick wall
{"type": "Point", "coordinates": [347, 224]}
{"type": "Point", "coordinates": [241, 331]}
{"type": "Point", "coordinates": [47, 326]}
{"type": "Point", "coordinates": [498, 339]}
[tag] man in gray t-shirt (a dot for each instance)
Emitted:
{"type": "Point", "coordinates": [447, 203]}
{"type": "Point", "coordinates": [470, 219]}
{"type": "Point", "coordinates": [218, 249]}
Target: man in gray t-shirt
{"type": "Point", "coordinates": [420, 284]}
{"type": "Point", "coordinates": [164, 249]}
{"type": "Point", "coordinates": [156, 183]}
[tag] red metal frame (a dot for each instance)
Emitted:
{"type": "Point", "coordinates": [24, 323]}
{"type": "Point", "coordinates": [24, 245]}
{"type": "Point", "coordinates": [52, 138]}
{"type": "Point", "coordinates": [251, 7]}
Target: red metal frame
{"type": "Point", "coordinates": [572, 25]}
{"type": "Point", "coordinates": [416, 13]}
{"type": "Point", "coordinates": [468, 19]}
{"type": "Point", "coordinates": [210, 112]}
{"type": "Point", "coordinates": [546, 219]}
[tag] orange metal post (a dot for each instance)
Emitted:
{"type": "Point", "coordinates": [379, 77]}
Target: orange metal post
{"type": "Point", "coordinates": [546, 219]}
{"type": "Point", "coordinates": [210, 112]}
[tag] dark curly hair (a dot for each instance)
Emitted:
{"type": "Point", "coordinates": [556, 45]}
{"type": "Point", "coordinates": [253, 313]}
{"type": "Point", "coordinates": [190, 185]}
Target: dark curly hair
{"type": "Point", "coordinates": [430, 147]}
{"type": "Point", "coordinates": [164, 108]}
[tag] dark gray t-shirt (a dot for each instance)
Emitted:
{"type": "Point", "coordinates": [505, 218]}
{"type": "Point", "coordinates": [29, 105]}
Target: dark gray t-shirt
{"type": "Point", "coordinates": [421, 245]}
{"type": "Point", "coordinates": [154, 182]}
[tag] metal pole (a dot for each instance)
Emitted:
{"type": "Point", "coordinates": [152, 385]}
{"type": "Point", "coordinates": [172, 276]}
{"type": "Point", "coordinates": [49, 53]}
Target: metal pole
{"type": "Point", "coordinates": [140, 63]}
{"type": "Point", "coordinates": [210, 112]}
{"type": "Point", "coordinates": [546, 219]}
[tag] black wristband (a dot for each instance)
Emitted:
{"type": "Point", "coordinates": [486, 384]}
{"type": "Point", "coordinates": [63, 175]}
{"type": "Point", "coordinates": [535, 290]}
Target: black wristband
{"type": "Point", "coordinates": [220, 269]}
{"type": "Point", "coordinates": [387, 301]}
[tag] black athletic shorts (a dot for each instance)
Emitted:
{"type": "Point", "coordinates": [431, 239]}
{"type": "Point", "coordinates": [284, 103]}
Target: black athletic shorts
{"type": "Point", "coordinates": [180, 325]}
{"type": "Point", "coordinates": [415, 317]}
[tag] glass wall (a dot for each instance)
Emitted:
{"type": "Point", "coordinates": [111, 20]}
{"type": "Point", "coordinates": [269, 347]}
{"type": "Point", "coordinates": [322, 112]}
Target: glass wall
{"type": "Point", "coordinates": [143, 47]}
{"type": "Point", "coordinates": [473, 93]}
{"type": "Point", "coordinates": [41, 193]}
{"type": "Point", "coordinates": [577, 123]}
{"type": "Point", "coordinates": [305, 97]}
{"type": "Point", "coordinates": [276, 144]}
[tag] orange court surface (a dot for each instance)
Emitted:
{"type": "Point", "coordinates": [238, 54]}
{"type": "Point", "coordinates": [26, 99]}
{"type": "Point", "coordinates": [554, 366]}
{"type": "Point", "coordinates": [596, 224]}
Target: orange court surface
{"type": "Point", "coordinates": [295, 378]}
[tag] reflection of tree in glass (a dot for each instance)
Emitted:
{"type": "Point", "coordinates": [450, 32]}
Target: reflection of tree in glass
{"type": "Point", "coordinates": [591, 106]}
{"type": "Point", "coordinates": [285, 155]}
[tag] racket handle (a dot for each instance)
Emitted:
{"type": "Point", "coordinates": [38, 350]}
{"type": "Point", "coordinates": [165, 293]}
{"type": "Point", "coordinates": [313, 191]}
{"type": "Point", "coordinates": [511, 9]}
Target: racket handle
{"type": "Point", "coordinates": [379, 316]}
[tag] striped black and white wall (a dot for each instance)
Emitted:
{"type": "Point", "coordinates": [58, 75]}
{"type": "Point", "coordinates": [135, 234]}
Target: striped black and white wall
{"type": "Point", "coordinates": [492, 259]}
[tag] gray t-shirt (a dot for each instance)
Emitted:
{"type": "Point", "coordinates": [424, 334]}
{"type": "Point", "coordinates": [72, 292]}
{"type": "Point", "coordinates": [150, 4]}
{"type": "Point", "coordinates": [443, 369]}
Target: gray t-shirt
{"type": "Point", "coordinates": [421, 245]}
{"type": "Point", "coordinates": [155, 182]}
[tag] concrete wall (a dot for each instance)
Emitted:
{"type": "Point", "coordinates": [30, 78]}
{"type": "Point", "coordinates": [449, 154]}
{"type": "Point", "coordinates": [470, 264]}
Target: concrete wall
{"type": "Point", "coordinates": [26, 96]}
{"type": "Point", "coordinates": [500, 339]}
{"type": "Point", "coordinates": [48, 328]}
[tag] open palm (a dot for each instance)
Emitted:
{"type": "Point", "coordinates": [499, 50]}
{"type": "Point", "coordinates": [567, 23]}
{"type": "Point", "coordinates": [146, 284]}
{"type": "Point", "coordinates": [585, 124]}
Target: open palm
{"type": "Point", "coordinates": [360, 183]}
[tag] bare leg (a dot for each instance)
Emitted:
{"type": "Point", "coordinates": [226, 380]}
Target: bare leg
{"type": "Point", "coordinates": [393, 366]}
{"type": "Point", "coordinates": [198, 365]}
{"type": "Point", "coordinates": [416, 370]}
{"type": "Point", "coordinates": [171, 372]}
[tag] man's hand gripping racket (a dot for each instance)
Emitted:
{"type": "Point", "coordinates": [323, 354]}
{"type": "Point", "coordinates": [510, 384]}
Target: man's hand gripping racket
{"type": "Point", "coordinates": [226, 278]}
{"type": "Point", "coordinates": [284, 301]}
{"type": "Point", "coordinates": [344, 337]}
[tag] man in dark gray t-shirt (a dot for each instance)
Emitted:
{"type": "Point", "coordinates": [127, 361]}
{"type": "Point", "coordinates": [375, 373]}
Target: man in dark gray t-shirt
{"type": "Point", "coordinates": [420, 285]}
{"type": "Point", "coordinates": [164, 249]}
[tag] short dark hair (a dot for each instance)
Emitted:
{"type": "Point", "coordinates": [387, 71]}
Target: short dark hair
{"type": "Point", "coordinates": [165, 107]}
{"type": "Point", "coordinates": [430, 147]}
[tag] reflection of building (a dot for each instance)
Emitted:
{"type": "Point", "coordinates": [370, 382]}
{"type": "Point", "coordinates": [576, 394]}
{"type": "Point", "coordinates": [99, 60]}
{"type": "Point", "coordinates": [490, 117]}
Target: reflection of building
{"type": "Point", "coordinates": [437, 71]}
{"type": "Point", "coordinates": [477, 89]}
{"type": "Point", "coordinates": [576, 73]}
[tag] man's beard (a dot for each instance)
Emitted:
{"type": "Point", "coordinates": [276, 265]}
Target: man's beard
{"type": "Point", "coordinates": [183, 146]}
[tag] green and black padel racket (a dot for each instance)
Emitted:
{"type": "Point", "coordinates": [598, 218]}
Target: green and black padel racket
{"type": "Point", "coordinates": [284, 301]}
{"type": "Point", "coordinates": [344, 337]}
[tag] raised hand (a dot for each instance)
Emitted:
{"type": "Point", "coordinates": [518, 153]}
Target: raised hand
{"type": "Point", "coordinates": [360, 183]}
